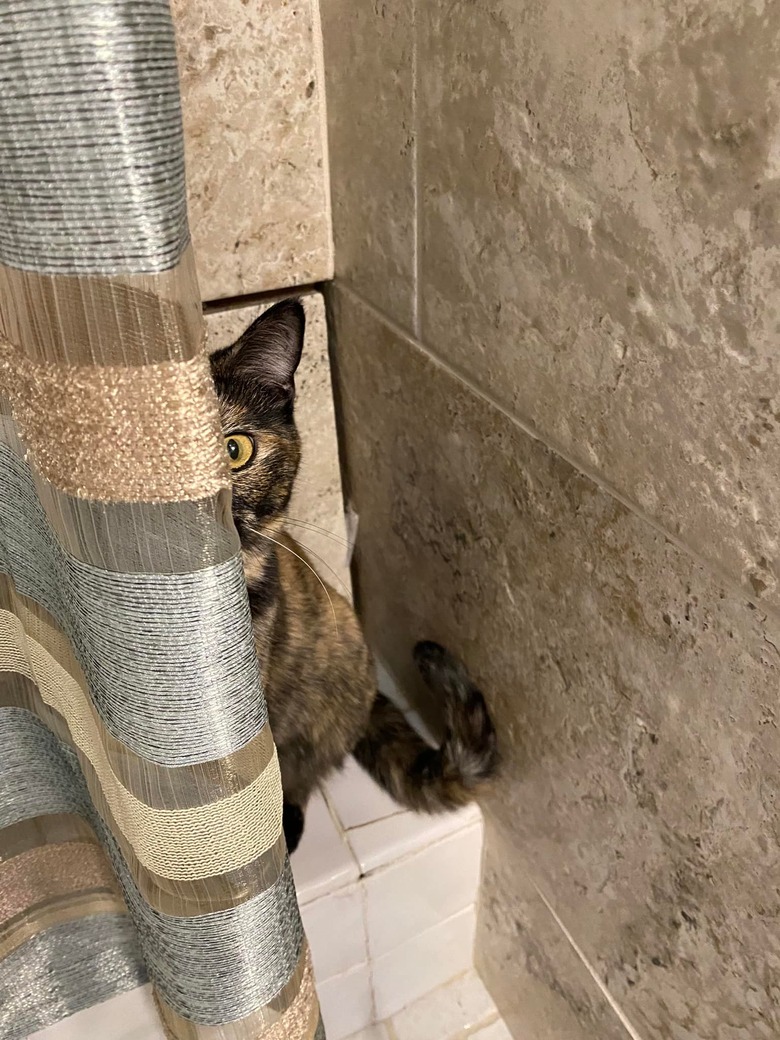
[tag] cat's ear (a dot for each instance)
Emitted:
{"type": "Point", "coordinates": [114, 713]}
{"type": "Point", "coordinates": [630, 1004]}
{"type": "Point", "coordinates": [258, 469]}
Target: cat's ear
{"type": "Point", "coordinates": [269, 351]}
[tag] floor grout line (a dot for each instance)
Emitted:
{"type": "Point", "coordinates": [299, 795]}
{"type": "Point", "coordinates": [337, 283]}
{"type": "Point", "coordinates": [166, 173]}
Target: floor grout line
{"type": "Point", "coordinates": [712, 568]}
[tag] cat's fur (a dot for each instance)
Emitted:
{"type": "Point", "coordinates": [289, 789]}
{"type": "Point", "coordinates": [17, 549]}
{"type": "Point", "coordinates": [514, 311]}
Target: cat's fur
{"type": "Point", "coordinates": [319, 677]}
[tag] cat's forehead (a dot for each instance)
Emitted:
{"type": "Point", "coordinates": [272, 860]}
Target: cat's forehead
{"type": "Point", "coordinates": [234, 416]}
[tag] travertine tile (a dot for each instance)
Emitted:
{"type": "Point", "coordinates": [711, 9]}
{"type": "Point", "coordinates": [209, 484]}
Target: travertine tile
{"type": "Point", "coordinates": [542, 988]}
{"type": "Point", "coordinates": [368, 62]}
{"type": "Point", "coordinates": [599, 245]}
{"type": "Point", "coordinates": [254, 138]}
{"type": "Point", "coordinates": [634, 697]}
{"type": "Point", "coordinates": [317, 501]}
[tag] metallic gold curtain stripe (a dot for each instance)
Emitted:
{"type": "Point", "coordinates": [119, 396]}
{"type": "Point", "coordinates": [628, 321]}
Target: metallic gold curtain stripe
{"type": "Point", "coordinates": [130, 319]}
{"type": "Point", "coordinates": [135, 652]}
{"type": "Point", "coordinates": [51, 829]}
{"type": "Point", "coordinates": [91, 153]}
{"type": "Point", "coordinates": [90, 958]}
{"type": "Point", "coordinates": [191, 897]}
{"type": "Point", "coordinates": [142, 434]}
{"type": "Point", "coordinates": [187, 844]}
{"type": "Point", "coordinates": [51, 871]}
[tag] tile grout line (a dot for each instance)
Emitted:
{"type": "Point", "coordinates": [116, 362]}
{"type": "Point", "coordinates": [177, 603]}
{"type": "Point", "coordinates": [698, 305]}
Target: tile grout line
{"type": "Point", "coordinates": [629, 1028]}
{"type": "Point", "coordinates": [415, 180]}
{"type": "Point", "coordinates": [712, 568]}
{"type": "Point", "coordinates": [319, 68]}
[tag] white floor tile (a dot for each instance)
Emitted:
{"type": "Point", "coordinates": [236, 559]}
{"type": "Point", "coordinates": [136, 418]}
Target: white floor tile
{"type": "Point", "coordinates": [356, 799]}
{"type": "Point", "coordinates": [336, 929]}
{"type": "Point", "coordinates": [375, 1032]}
{"type": "Point", "coordinates": [407, 898]}
{"type": "Point", "coordinates": [424, 963]}
{"type": "Point", "coordinates": [346, 1003]}
{"type": "Point", "coordinates": [447, 1011]}
{"type": "Point", "coordinates": [128, 1016]}
{"type": "Point", "coordinates": [323, 861]}
{"type": "Point", "coordinates": [385, 841]}
{"type": "Point", "coordinates": [496, 1031]}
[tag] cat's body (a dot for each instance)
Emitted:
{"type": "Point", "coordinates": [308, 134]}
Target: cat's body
{"type": "Point", "coordinates": [318, 673]}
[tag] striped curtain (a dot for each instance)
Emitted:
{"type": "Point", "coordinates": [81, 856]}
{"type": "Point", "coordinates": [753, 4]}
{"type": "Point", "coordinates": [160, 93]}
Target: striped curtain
{"type": "Point", "coordinates": [140, 800]}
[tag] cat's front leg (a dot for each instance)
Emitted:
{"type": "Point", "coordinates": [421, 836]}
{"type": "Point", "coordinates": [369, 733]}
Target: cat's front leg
{"type": "Point", "coordinates": [292, 823]}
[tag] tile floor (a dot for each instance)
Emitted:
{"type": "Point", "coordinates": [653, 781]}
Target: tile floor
{"type": "Point", "coordinates": [388, 900]}
{"type": "Point", "coordinates": [460, 1010]}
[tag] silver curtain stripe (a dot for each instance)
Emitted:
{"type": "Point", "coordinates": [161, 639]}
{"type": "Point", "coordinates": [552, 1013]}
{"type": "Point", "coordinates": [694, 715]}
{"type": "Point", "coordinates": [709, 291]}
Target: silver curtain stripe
{"type": "Point", "coordinates": [36, 776]}
{"type": "Point", "coordinates": [216, 967]}
{"type": "Point", "coordinates": [91, 149]}
{"type": "Point", "coordinates": [65, 969]}
{"type": "Point", "coordinates": [157, 538]}
{"type": "Point", "coordinates": [221, 966]}
{"type": "Point", "coordinates": [211, 969]}
{"type": "Point", "coordinates": [169, 658]}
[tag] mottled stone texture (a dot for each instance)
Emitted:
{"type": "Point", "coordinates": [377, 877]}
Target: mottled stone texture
{"type": "Point", "coordinates": [534, 973]}
{"type": "Point", "coordinates": [599, 245]}
{"type": "Point", "coordinates": [316, 514]}
{"type": "Point", "coordinates": [635, 697]}
{"type": "Point", "coordinates": [369, 62]}
{"type": "Point", "coordinates": [254, 137]}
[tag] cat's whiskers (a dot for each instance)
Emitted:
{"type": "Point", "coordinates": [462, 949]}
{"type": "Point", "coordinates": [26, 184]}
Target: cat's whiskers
{"type": "Point", "coordinates": [307, 525]}
{"type": "Point", "coordinates": [328, 567]}
{"type": "Point", "coordinates": [306, 563]}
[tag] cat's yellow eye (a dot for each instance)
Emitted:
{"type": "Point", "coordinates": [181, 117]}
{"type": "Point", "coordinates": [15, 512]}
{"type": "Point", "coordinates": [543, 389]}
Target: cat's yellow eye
{"type": "Point", "coordinates": [241, 450]}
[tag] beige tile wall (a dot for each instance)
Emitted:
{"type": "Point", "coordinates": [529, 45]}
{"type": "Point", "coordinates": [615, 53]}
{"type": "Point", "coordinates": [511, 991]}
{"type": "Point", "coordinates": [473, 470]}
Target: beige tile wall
{"type": "Point", "coordinates": [259, 208]}
{"type": "Point", "coordinates": [555, 316]}
{"type": "Point", "coordinates": [255, 142]}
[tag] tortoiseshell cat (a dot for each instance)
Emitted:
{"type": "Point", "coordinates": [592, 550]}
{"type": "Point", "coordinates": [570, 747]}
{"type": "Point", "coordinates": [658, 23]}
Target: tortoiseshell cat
{"type": "Point", "coordinates": [319, 677]}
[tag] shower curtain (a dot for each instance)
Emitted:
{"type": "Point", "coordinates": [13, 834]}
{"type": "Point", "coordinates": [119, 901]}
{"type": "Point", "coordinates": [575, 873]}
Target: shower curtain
{"type": "Point", "coordinates": [140, 799]}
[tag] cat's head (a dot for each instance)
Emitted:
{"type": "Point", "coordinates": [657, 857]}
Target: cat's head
{"type": "Point", "coordinates": [254, 380]}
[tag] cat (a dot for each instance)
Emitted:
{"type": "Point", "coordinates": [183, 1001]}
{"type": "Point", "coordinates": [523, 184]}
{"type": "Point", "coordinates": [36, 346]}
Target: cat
{"type": "Point", "coordinates": [318, 674]}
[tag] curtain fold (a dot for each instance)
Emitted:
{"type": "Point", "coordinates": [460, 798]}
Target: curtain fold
{"type": "Point", "coordinates": [140, 797]}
